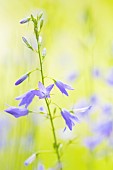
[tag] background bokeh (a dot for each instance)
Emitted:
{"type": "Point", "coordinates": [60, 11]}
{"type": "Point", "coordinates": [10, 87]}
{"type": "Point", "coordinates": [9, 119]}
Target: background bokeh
{"type": "Point", "coordinates": [78, 36]}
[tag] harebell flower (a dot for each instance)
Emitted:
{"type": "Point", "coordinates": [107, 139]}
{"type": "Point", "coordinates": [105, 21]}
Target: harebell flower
{"type": "Point", "coordinates": [43, 91]}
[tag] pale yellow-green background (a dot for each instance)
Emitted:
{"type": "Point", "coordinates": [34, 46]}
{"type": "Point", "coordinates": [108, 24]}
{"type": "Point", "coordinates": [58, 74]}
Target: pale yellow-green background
{"type": "Point", "coordinates": [73, 44]}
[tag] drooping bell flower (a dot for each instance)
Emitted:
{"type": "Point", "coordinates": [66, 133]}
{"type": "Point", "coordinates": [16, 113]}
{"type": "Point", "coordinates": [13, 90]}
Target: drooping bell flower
{"type": "Point", "coordinates": [17, 111]}
{"type": "Point", "coordinates": [63, 87]}
{"type": "Point", "coordinates": [69, 118]}
{"type": "Point", "coordinates": [26, 98]}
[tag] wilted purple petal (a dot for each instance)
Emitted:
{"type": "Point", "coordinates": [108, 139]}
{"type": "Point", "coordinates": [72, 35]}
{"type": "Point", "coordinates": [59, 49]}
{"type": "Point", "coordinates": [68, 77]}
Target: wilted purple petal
{"type": "Point", "coordinates": [21, 79]}
{"type": "Point", "coordinates": [17, 111]}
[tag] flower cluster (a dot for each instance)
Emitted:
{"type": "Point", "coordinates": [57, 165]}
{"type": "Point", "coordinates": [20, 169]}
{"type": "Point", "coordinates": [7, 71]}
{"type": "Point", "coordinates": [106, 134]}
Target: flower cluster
{"type": "Point", "coordinates": [42, 92]}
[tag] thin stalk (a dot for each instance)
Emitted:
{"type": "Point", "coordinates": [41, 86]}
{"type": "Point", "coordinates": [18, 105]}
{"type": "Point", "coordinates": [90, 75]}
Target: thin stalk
{"type": "Point", "coordinates": [44, 151]}
{"type": "Point", "coordinates": [41, 69]}
{"type": "Point", "coordinates": [53, 130]}
{"type": "Point", "coordinates": [39, 54]}
{"type": "Point", "coordinates": [49, 111]}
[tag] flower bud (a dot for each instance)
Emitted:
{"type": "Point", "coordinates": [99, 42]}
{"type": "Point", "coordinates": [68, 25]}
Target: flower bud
{"type": "Point", "coordinates": [21, 79]}
{"type": "Point", "coordinates": [30, 159]}
{"type": "Point", "coordinates": [26, 42]}
{"type": "Point", "coordinates": [24, 20]}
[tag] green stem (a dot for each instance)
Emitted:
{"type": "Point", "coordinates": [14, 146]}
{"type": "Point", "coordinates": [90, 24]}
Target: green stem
{"type": "Point", "coordinates": [53, 130]}
{"type": "Point", "coordinates": [40, 60]}
{"type": "Point", "coordinates": [41, 69]}
{"type": "Point", "coordinates": [49, 111]}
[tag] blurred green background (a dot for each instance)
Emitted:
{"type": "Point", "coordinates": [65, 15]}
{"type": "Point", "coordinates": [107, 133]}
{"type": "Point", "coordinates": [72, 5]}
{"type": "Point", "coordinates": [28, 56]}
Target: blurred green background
{"type": "Point", "coordinates": [78, 36]}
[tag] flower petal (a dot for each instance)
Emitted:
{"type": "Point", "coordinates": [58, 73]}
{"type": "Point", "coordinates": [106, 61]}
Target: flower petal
{"type": "Point", "coordinates": [61, 87]}
{"type": "Point", "coordinates": [83, 109]}
{"type": "Point", "coordinates": [43, 92]}
{"type": "Point", "coordinates": [41, 87]}
{"type": "Point", "coordinates": [68, 87]}
{"type": "Point", "coordinates": [69, 118]}
{"type": "Point", "coordinates": [49, 88]}
{"type": "Point", "coordinates": [26, 98]}
{"type": "Point", "coordinates": [16, 111]}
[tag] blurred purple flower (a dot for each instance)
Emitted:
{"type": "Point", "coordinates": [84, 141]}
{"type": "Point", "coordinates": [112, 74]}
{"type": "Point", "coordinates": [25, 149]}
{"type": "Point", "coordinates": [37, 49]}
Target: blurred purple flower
{"type": "Point", "coordinates": [24, 20]}
{"type": "Point", "coordinates": [107, 109]}
{"type": "Point", "coordinates": [21, 79]}
{"type": "Point", "coordinates": [62, 87]}
{"type": "Point", "coordinates": [105, 129]}
{"type": "Point", "coordinates": [43, 92]}
{"type": "Point", "coordinates": [96, 72]}
{"type": "Point", "coordinates": [42, 109]}
{"type": "Point", "coordinates": [92, 142]}
{"type": "Point", "coordinates": [72, 77]}
{"type": "Point", "coordinates": [17, 111]}
{"type": "Point", "coordinates": [26, 98]}
{"type": "Point", "coordinates": [40, 167]}
{"type": "Point", "coordinates": [69, 118]}
{"type": "Point", "coordinates": [94, 99]}
{"type": "Point", "coordinates": [110, 77]}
